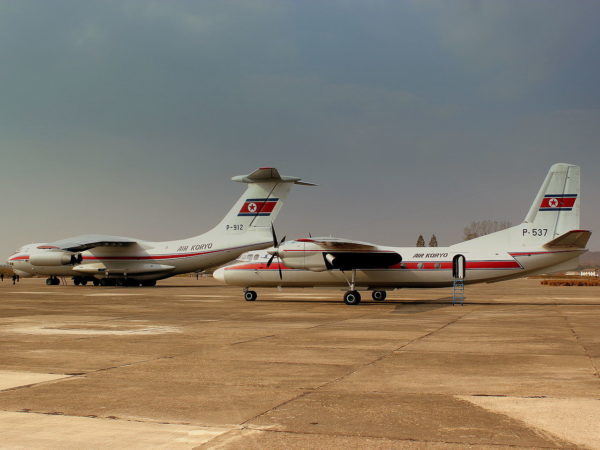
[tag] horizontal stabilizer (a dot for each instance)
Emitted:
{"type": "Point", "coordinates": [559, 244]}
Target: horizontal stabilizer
{"type": "Point", "coordinates": [267, 175]}
{"type": "Point", "coordinates": [570, 239]}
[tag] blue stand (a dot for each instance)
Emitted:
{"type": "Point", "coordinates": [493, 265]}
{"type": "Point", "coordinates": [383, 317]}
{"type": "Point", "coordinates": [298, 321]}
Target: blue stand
{"type": "Point", "coordinates": [458, 291]}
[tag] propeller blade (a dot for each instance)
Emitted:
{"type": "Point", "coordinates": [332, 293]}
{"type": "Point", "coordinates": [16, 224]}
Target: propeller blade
{"type": "Point", "coordinates": [282, 241]}
{"type": "Point", "coordinates": [270, 260]}
{"type": "Point", "coordinates": [274, 235]}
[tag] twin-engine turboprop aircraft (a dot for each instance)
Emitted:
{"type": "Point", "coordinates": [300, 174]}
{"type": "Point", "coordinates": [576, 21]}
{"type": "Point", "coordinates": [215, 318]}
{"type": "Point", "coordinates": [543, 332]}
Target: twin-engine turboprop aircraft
{"type": "Point", "coordinates": [110, 260]}
{"type": "Point", "coordinates": [548, 240]}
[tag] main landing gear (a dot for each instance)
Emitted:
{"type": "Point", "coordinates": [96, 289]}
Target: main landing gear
{"type": "Point", "coordinates": [52, 281]}
{"type": "Point", "coordinates": [379, 296]}
{"type": "Point", "coordinates": [250, 296]}
{"type": "Point", "coordinates": [352, 297]}
{"type": "Point", "coordinates": [81, 281]}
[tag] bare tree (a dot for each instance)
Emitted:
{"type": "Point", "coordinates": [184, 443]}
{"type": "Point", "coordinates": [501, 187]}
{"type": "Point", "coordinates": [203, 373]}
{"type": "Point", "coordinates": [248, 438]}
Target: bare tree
{"type": "Point", "coordinates": [482, 227]}
{"type": "Point", "coordinates": [420, 241]}
{"type": "Point", "coordinates": [433, 241]}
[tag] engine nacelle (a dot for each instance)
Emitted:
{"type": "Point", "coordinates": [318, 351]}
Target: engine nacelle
{"type": "Point", "coordinates": [55, 259]}
{"type": "Point", "coordinates": [301, 254]}
{"type": "Point", "coordinates": [318, 256]}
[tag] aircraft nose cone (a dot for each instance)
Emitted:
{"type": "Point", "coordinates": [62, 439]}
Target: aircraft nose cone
{"type": "Point", "coordinates": [219, 274]}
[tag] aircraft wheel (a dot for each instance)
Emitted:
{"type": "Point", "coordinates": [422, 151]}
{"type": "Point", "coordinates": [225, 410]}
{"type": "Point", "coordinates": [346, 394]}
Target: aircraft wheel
{"type": "Point", "coordinates": [49, 281]}
{"type": "Point", "coordinates": [103, 282]}
{"type": "Point", "coordinates": [84, 282]}
{"type": "Point", "coordinates": [76, 281]}
{"type": "Point", "coordinates": [95, 282]}
{"type": "Point", "coordinates": [149, 283]}
{"type": "Point", "coordinates": [352, 298]}
{"type": "Point", "coordinates": [379, 296]}
{"type": "Point", "coordinates": [55, 281]}
{"type": "Point", "coordinates": [250, 296]}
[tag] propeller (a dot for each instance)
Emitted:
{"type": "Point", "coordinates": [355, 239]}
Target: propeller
{"type": "Point", "coordinates": [275, 252]}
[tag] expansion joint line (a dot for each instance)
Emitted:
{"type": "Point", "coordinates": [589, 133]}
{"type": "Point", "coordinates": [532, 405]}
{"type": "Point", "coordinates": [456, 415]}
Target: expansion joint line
{"type": "Point", "coordinates": [579, 341]}
{"type": "Point", "coordinates": [391, 352]}
{"type": "Point", "coordinates": [356, 369]}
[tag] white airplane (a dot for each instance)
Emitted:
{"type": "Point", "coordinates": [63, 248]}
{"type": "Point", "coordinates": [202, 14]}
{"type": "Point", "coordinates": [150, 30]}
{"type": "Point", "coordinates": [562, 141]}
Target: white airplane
{"type": "Point", "coordinates": [110, 260]}
{"type": "Point", "coordinates": [548, 240]}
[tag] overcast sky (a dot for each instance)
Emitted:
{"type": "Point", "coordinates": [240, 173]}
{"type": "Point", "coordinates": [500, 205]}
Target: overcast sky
{"type": "Point", "coordinates": [414, 117]}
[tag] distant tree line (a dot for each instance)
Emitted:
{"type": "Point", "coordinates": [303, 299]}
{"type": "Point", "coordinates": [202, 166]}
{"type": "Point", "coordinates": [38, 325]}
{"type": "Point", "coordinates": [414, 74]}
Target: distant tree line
{"type": "Point", "coordinates": [432, 242]}
{"type": "Point", "coordinates": [482, 227]}
{"type": "Point", "coordinates": [474, 230]}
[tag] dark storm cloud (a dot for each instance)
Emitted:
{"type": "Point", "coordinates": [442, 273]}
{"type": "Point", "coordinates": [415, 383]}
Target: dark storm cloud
{"type": "Point", "coordinates": [413, 113]}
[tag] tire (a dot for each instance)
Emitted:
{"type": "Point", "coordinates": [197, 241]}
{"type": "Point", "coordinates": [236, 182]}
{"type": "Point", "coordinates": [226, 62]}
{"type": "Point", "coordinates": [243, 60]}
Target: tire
{"type": "Point", "coordinates": [352, 298]}
{"type": "Point", "coordinates": [55, 282]}
{"type": "Point", "coordinates": [379, 296]}
{"type": "Point", "coordinates": [149, 283]}
{"type": "Point", "coordinates": [83, 282]}
{"type": "Point", "coordinates": [96, 282]}
{"type": "Point", "coordinates": [49, 281]}
{"type": "Point", "coordinates": [250, 296]}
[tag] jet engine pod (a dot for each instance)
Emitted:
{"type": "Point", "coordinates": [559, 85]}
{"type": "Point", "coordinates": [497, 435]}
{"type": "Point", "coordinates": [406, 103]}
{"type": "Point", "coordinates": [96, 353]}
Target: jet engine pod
{"type": "Point", "coordinates": [55, 258]}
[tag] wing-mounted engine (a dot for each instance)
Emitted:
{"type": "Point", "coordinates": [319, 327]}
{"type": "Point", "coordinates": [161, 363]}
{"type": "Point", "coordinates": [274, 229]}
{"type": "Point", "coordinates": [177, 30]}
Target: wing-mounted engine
{"type": "Point", "coordinates": [55, 258]}
{"type": "Point", "coordinates": [320, 254]}
{"type": "Point", "coordinates": [361, 260]}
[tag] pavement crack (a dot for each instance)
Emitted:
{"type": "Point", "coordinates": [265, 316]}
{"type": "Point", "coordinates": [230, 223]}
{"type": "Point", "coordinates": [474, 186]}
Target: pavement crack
{"type": "Point", "coordinates": [392, 352]}
{"type": "Point", "coordinates": [580, 342]}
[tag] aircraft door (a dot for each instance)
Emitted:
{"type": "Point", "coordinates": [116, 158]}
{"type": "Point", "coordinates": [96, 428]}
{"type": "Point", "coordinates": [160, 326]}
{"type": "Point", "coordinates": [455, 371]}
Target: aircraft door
{"type": "Point", "coordinates": [458, 267]}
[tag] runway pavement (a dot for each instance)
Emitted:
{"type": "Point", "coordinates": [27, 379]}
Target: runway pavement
{"type": "Point", "coordinates": [190, 364]}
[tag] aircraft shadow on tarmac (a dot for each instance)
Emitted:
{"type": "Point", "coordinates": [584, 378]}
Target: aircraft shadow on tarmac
{"type": "Point", "coordinates": [422, 305]}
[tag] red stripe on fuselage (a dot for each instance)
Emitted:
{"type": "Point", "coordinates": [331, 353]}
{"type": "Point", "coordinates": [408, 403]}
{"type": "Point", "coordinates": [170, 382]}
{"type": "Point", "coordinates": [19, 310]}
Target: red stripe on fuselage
{"type": "Point", "coordinates": [424, 265]}
{"type": "Point", "coordinates": [259, 266]}
{"type": "Point", "coordinates": [19, 258]}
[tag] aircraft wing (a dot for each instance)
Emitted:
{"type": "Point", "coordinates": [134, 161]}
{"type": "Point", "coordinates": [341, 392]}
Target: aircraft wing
{"type": "Point", "coordinates": [362, 260]}
{"type": "Point", "coordinates": [344, 254]}
{"type": "Point", "coordinates": [331, 243]}
{"type": "Point", "coordinates": [88, 241]}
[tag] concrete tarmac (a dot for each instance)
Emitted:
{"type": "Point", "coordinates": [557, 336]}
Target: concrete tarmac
{"type": "Point", "coordinates": [190, 364]}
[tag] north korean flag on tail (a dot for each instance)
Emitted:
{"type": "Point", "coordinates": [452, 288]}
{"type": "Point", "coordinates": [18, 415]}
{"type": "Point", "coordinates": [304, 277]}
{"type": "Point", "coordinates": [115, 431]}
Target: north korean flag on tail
{"type": "Point", "coordinates": [258, 207]}
{"type": "Point", "coordinates": [559, 202]}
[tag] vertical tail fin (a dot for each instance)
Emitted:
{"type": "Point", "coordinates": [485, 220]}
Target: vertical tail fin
{"type": "Point", "coordinates": [260, 204]}
{"type": "Point", "coordinates": [554, 212]}
{"type": "Point", "coordinates": [558, 203]}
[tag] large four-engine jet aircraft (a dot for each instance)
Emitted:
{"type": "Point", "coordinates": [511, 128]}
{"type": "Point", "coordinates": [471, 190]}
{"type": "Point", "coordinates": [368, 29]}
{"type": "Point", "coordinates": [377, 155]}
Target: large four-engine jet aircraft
{"type": "Point", "coordinates": [548, 240]}
{"type": "Point", "coordinates": [109, 260]}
